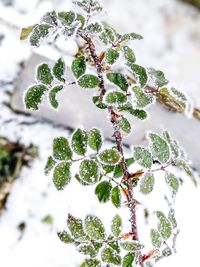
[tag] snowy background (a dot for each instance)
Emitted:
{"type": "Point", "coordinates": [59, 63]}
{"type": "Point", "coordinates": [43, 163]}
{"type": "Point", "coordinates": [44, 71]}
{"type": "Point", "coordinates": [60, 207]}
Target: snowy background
{"type": "Point", "coordinates": [172, 43]}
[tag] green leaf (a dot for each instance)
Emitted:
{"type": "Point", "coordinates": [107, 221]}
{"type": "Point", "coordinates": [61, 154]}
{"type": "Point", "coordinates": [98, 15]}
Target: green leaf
{"type": "Point", "coordinates": [44, 74]}
{"type": "Point", "coordinates": [164, 226]}
{"type": "Point", "coordinates": [147, 183]}
{"type": "Point", "coordinates": [110, 156]}
{"type": "Point", "coordinates": [108, 168]}
{"type": "Point", "coordinates": [103, 190]}
{"type": "Point", "coordinates": [66, 17]}
{"type": "Point", "coordinates": [128, 259]}
{"type": "Point", "coordinates": [79, 142]}
{"type": "Point", "coordinates": [88, 81]}
{"type": "Point", "coordinates": [49, 165]}
{"type": "Point", "coordinates": [158, 76]}
{"type": "Point", "coordinates": [116, 225]}
{"type": "Point", "coordinates": [78, 67]}
{"type": "Point", "coordinates": [81, 20]}
{"type": "Point", "coordinates": [33, 96]}
{"type": "Point", "coordinates": [139, 113]}
{"type": "Point", "coordinates": [59, 70]}
{"type": "Point", "coordinates": [95, 139]}
{"type": "Point", "coordinates": [108, 255]}
{"type": "Point", "coordinates": [129, 55]}
{"type": "Point", "coordinates": [25, 32]}
{"type": "Point", "coordinates": [108, 35]}
{"type": "Point", "coordinates": [118, 172]}
{"type": "Point", "coordinates": [116, 196]}
{"type": "Point", "coordinates": [166, 252]}
{"type": "Point", "coordinates": [88, 250]}
{"type": "Point", "coordinates": [98, 104]}
{"type": "Point", "coordinates": [125, 125]}
{"type": "Point", "coordinates": [140, 73]}
{"type": "Point", "coordinates": [156, 239]}
{"type": "Point", "coordinates": [75, 226]}
{"type": "Point", "coordinates": [132, 245]}
{"type": "Point", "coordinates": [94, 28]}
{"type": "Point", "coordinates": [114, 244]}
{"type": "Point", "coordinates": [160, 148]}
{"type": "Point", "coordinates": [89, 171]}
{"type": "Point", "coordinates": [61, 149]}
{"type": "Point", "coordinates": [131, 36]}
{"type": "Point", "coordinates": [50, 18]}
{"type": "Point", "coordinates": [92, 263]}
{"type": "Point", "coordinates": [143, 157]}
{"type": "Point", "coordinates": [79, 179]}
{"type": "Point", "coordinates": [39, 31]}
{"type": "Point", "coordinates": [111, 56]}
{"type": "Point", "coordinates": [175, 149]}
{"type": "Point", "coordinates": [52, 95]}
{"type": "Point", "coordinates": [94, 227]}
{"type": "Point", "coordinates": [141, 99]}
{"type": "Point", "coordinates": [172, 182]}
{"type": "Point", "coordinates": [118, 79]}
{"type": "Point", "coordinates": [62, 175]}
{"type": "Point", "coordinates": [65, 237]}
{"type": "Point", "coordinates": [115, 97]}
{"type": "Point", "coordinates": [172, 218]}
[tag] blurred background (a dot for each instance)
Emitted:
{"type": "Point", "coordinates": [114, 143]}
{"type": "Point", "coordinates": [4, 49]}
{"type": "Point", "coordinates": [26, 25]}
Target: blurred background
{"type": "Point", "coordinates": [31, 209]}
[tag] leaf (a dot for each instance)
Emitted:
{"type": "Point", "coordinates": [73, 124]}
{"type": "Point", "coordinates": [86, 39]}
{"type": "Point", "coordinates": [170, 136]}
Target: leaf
{"type": "Point", "coordinates": [66, 17]}
{"type": "Point", "coordinates": [158, 76]}
{"type": "Point", "coordinates": [59, 70]}
{"type": "Point", "coordinates": [81, 20]}
{"type": "Point", "coordinates": [52, 95]}
{"type": "Point", "coordinates": [125, 125]}
{"type": "Point", "coordinates": [95, 139]}
{"type": "Point", "coordinates": [62, 175]}
{"type": "Point", "coordinates": [88, 250]}
{"type": "Point", "coordinates": [128, 259]}
{"type": "Point", "coordinates": [141, 99]}
{"type": "Point", "coordinates": [175, 149]}
{"type": "Point", "coordinates": [172, 182]}
{"type": "Point", "coordinates": [115, 97]}
{"type": "Point", "coordinates": [75, 226]}
{"type": "Point", "coordinates": [89, 171]}
{"type": "Point", "coordinates": [79, 142]}
{"type": "Point", "coordinates": [61, 149]}
{"type": "Point", "coordinates": [39, 31]}
{"type": "Point", "coordinates": [129, 55]}
{"type": "Point", "coordinates": [131, 36]}
{"type": "Point", "coordinates": [108, 168]}
{"type": "Point", "coordinates": [94, 227]}
{"type": "Point", "coordinates": [132, 245]}
{"type": "Point", "coordinates": [172, 218]}
{"type": "Point", "coordinates": [114, 244]}
{"type": "Point", "coordinates": [78, 67]}
{"type": "Point", "coordinates": [98, 104]}
{"type": "Point", "coordinates": [147, 183]}
{"type": "Point", "coordinates": [33, 96]}
{"type": "Point", "coordinates": [25, 32]}
{"type": "Point", "coordinates": [118, 172]}
{"type": "Point", "coordinates": [118, 79]}
{"type": "Point", "coordinates": [116, 225]}
{"type": "Point", "coordinates": [79, 179]}
{"type": "Point", "coordinates": [44, 74]}
{"type": "Point", "coordinates": [108, 35]}
{"type": "Point", "coordinates": [116, 196]}
{"type": "Point", "coordinates": [140, 73]}
{"type": "Point", "coordinates": [65, 237]}
{"type": "Point", "coordinates": [103, 190]}
{"type": "Point", "coordinates": [94, 28]}
{"type": "Point", "coordinates": [111, 56]}
{"type": "Point", "coordinates": [108, 255]}
{"type": "Point", "coordinates": [110, 156]}
{"type": "Point", "coordinates": [92, 263]}
{"type": "Point", "coordinates": [88, 81]}
{"type": "Point", "coordinates": [166, 252]}
{"type": "Point", "coordinates": [156, 239]}
{"type": "Point", "coordinates": [143, 157]}
{"type": "Point", "coordinates": [160, 148]}
{"type": "Point", "coordinates": [164, 226]}
{"type": "Point", "coordinates": [139, 113]}
{"type": "Point", "coordinates": [49, 165]}
{"type": "Point", "coordinates": [50, 18]}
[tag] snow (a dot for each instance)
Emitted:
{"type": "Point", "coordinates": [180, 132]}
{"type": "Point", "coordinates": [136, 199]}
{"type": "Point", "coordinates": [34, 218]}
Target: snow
{"type": "Point", "coordinates": [34, 196]}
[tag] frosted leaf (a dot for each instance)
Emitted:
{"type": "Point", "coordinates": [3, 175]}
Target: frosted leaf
{"type": "Point", "coordinates": [79, 179]}
{"type": "Point", "coordinates": [175, 149]}
{"type": "Point", "coordinates": [50, 18]}
{"type": "Point", "coordinates": [128, 259]}
{"type": "Point", "coordinates": [61, 149]}
{"type": "Point", "coordinates": [131, 36]}
{"type": "Point", "coordinates": [179, 94]}
{"type": "Point", "coordinates": [132, 245]}
{"type": "Point", "coordinates": [25, 32]}
{"type": "Point", "coordinates": [128, 54]}
{"type": "Point", "coordinates": [143, 156]}
{"type": "Point", "coordinates": [94, 227]}
{"type": "Point", "coordinates": [88, 81]}
{"type": "Point", "coordinates": [49, 165]}
{"type": "Point", "coordinates": [171, 217]}
{"type": "Point", "coordinates": [98, 104]}
{"type": "Point", "coordinates": [138, 113]}
{"type": "Point", "coordinates": [116, 225]}
{"type": "Point", "coordinates": [108, 35]}
{"type": "Point", "coordinates": [108, 255]}
{"type": "Point", "coordinates": [53, 94]}
{"type": "Point", "coordinates": [158, 76]}
{"type": "Point", "coordinates": [33, 96]}
{"type": "Point", "coordinates": [156, 239]}
{"type": "Point", "coordinates": [172, 182]}
{"type": "Point", "coordinates": [140, 98]}
{"type": "Point", "coordinates": [66, 18]}
{"type": "Point", "coordinates": [92, 263]}
{"type": "Point", "coordinates": [75, 226]}
{"type": "Point", "coordinates": [103, 190]}
{"type": "Point", "coordinates": [95, 28]}
{"type": "Point", "coordinates": [110, 156]}
{"type": "Point", "coordinates": [140, 74]}
{"type": "Point", "coordinates": [89, 171]}
{"type": "Point", "coordinates": [147, 183]}
{"type": "Point", "coordinates": [118, 79]}
{"type": "Point", "coordinates": [39, 31]}
{"type": "Point", "coordinates": [118, 172]}
{"type": "Point", "coordinates": [160, 148]}
{"type": "Point", "coordinates": [79, 142]}
{"type": "Point", "coordinates": [166, 252]}
{"type": "Point", "coordinates": [164, 226]}
{"type": "Point", "coordinates": [59, 70]}
{"type": "Point", "coordinates": [116, 196]}
{"type": "Point", "coordinates": [44, 74]}
{"type": "Point", "coordinates": [95, 139]}
{"type": "Point", "coordinates": [115, 98]}
{"type": "Point", "coordinates": [185, 166]}
{"type": "Point", "coordinates": [78, 67]}
{"type": "Point", "coordinates": [125, 125]}
{"type": "Point", "coordinates": [111, 56]}
{"type": "Point", "coordinates": [88, 250]}
{"type": "Point", "coordinates": [62, 175]}
{"type": "Point", "coordinates": [65, 237]}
